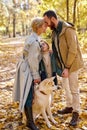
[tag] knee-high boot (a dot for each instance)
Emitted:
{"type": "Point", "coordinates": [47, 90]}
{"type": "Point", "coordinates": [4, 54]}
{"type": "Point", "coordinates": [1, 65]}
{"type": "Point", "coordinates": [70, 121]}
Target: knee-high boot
{"type": "Point", "coordinates": [29, 116]}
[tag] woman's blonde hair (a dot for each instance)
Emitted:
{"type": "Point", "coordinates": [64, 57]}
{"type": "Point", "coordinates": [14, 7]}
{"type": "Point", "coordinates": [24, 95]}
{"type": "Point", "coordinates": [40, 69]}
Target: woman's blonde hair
{"type": "Point", "coordinates": [37, 22]}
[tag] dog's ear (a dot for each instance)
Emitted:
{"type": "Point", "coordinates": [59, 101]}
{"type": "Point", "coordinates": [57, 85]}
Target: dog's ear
{"type": "Point", "coordinates": [52, 78]}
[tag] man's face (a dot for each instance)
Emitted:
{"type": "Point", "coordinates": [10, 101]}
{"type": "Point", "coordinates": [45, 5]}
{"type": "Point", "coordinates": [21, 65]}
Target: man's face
{"type": "Point", "coordinates": [49, 22]}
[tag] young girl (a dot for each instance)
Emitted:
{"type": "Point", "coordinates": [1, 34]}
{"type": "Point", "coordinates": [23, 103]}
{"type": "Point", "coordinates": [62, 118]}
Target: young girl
{"type": "Point", "coordinates": [48, 66]}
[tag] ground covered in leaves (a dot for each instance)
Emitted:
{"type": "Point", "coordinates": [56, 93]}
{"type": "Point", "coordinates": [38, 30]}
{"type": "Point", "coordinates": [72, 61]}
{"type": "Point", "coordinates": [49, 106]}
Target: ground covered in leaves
{"type": "Point", "coordinates": [10, 117]}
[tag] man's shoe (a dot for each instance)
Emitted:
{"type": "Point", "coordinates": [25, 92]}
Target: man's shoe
{"type": "Point", "coordinates": [75, 118]}
{"type": "Point", "coordinates": [66, 110]}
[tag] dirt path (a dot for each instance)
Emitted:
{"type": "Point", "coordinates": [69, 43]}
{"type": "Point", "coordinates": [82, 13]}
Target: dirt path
{"type": "Point", "coordinates": [10, 51]}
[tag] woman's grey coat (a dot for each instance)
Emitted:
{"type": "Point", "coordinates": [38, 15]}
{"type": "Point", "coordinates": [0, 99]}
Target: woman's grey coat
{"type": "Point", "coordinates": [27, 70]}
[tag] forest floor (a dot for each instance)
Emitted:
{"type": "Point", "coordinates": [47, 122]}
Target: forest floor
{"type": "Point", "coordinates": [10, 117]}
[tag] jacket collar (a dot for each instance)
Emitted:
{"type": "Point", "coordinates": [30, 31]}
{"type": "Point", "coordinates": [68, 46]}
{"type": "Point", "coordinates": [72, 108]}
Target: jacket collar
{"type": "Point", "coordinates": [36, 36]}
{"type": "Point", "coordinates": [62, 27]}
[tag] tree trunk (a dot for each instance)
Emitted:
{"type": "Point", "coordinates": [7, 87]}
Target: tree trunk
{"type": "Point", "coordinates": [78, 19]}
{"type": "Point", "coordinates": [26, 29]}
{"type": "Point", "coordinates": [14, 24]}
{"type": "Point", "coordinates": [23, 29]}
{"type": "Point", "coordinates": [7, 31]}
{"type": "Point", "coordinates": [74, 12]}
{"type": "Point", "coordinates": [67, 8]}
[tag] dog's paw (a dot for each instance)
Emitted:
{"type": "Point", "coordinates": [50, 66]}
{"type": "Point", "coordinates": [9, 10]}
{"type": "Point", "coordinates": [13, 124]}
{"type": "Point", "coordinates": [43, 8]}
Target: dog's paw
{"type": "Point", "coordinates": [49, 125]}
{"type": "Point", "coordinates": [55, 122]}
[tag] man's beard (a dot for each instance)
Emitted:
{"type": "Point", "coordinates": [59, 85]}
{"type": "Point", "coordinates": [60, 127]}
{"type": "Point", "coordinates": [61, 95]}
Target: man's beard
{"type": "Point", "coordinates": [52, 26]}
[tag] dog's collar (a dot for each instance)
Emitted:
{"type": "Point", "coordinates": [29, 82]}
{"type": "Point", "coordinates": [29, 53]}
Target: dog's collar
{"type": "Point", "coordinates": [43, 92]}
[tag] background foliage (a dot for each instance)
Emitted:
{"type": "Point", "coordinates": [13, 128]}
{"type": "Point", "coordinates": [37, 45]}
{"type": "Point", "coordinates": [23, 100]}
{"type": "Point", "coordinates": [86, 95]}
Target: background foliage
{"type": "Point", "coordinates": [16, 15]}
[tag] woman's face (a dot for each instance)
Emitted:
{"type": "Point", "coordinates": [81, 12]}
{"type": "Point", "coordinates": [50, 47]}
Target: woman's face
{"type": "Point", "coordinates": [44, 47]}
{"type": "Point", "coordinates": [42, 29]}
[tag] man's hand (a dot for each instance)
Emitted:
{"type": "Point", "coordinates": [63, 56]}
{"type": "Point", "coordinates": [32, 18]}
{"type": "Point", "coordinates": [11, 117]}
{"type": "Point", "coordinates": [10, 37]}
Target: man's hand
{"type": "Point", "coordinates": [65, 73]}
{"type": "Point", "coordinates": [37, 81]}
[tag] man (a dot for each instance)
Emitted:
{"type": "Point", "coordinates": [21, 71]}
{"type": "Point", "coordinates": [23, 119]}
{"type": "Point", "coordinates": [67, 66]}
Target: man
{"type": "Point", "coordinates": [68, 56]}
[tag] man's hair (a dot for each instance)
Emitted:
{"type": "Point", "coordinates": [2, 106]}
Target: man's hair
{"type": "Point", "coordinates": [50, 14]}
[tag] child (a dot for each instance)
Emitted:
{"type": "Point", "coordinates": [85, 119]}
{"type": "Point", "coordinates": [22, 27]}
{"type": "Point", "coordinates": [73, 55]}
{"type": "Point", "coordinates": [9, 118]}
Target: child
{"type": "Point", "coordinates": [48, 66]}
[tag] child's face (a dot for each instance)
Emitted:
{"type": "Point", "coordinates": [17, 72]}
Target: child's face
{"type": "Point", "coordinates": [44, 47]}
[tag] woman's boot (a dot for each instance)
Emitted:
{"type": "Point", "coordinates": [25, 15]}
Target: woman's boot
{"type": "Point", "coordinates": [29, 116]}
{"type": "Point", "coordinates": [75, 118]}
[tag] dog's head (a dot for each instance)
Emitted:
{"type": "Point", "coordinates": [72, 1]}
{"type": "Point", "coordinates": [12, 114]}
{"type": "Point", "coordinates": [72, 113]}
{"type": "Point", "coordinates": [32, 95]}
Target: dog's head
{"type": "Point", "coordinates": [47, 85]}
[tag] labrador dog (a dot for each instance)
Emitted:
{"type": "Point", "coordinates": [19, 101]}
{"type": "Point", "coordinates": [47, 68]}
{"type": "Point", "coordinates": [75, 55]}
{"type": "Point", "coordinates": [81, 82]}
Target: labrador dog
{"type": "Point", "coordinates": [43, 99]}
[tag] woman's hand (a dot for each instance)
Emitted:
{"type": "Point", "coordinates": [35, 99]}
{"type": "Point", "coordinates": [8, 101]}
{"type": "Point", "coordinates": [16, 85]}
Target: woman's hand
{"type": "Point", "coordinates": [37, 81]}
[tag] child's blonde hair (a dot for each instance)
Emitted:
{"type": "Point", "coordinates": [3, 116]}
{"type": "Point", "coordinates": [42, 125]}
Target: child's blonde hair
{"type": "Point", "coordinates": [43, 41]}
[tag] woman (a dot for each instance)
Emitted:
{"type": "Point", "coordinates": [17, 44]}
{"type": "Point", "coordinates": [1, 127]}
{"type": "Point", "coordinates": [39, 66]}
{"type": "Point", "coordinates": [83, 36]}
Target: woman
{"type": "Point", "coordinates": [27, 74]}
